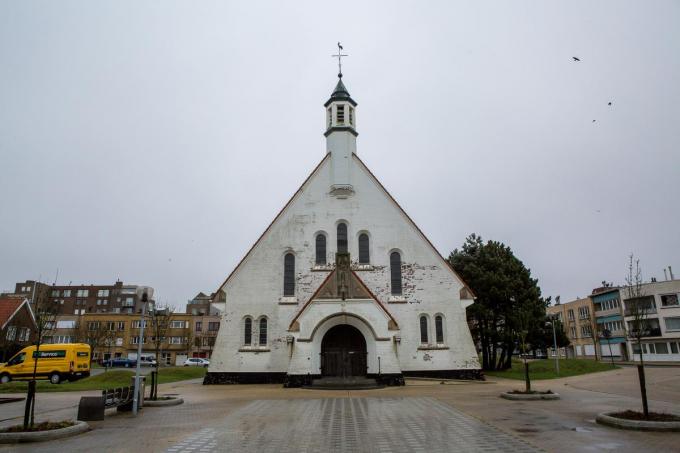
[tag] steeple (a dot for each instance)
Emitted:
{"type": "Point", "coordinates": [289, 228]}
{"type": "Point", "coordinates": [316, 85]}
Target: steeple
{"type": "Point", "coordinates": [341, 135]}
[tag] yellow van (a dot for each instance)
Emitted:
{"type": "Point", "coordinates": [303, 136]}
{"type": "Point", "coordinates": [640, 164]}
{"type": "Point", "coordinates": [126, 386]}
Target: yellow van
{"type": "Point", "coordinates": [56, 362]}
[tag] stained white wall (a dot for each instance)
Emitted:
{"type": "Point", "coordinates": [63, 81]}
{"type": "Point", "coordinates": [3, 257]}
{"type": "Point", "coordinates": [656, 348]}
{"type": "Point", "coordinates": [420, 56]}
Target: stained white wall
{"type": "Point", "coordinates": [429, 286]}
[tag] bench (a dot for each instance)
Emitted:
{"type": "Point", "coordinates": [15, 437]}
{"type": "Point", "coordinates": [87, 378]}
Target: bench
{"type": "Point", "coordinates": [92, 408]}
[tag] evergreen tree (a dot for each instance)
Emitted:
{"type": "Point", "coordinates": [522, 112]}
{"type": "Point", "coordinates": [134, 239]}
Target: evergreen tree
{"type": "Point", "coordinates": [503, 287]}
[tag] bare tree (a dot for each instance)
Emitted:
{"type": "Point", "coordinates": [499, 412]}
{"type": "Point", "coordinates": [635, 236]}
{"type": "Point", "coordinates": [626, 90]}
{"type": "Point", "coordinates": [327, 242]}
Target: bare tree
{"type": "Point", "coordinates": [637, 306]}
{"type": "Point", "coordinates": [45, 312]}
{"type": "Point", "coordinates": [210, 340]}
{"type": "Point", "coordinates": [96, 333]}
{"type": "Point", "coordinates": [595, 334]}
{"type": "Point", "coordinates": [522, 321]}
{"type": "Point", "coordinates": [159, 323]}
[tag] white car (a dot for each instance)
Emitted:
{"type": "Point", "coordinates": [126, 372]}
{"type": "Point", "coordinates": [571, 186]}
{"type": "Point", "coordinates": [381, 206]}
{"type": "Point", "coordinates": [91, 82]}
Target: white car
{"type": "Point", "coordinates": [195, 361]}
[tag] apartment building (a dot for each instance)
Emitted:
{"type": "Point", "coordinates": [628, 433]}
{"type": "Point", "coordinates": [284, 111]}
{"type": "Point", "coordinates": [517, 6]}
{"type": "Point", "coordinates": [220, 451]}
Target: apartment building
{"type": "Point", "coordinates": [117, 335]}
{"type": "Point", "coordinates": [661, 337]}
{"type": "Point", "coordinates": [578, 321]}
{"type": "Point", "coordinates": [86, 299]}
{"type": "Point", "coordinates": [611, 326]}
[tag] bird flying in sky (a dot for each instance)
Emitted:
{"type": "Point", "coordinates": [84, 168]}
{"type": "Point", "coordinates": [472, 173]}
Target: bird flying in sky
{"type": "Point", "coordinates": [576, 58]}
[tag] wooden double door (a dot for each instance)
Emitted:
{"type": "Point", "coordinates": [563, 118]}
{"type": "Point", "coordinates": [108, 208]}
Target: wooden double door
{"type": "Point", "coordinates": [343, 352]}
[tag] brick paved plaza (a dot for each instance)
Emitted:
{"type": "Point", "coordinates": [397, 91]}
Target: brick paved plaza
{"type": "Point", "coordinates": [422, 416]}
{"type": "Point", "coordinates": [351, 425]}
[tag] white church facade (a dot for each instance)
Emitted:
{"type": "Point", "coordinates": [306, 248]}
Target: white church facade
{"type": "Point", "coordinates": [343, 284]}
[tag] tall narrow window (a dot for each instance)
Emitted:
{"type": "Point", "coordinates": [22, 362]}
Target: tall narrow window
{"type": "Point", "coordinates": [423, 330]}
{"type": "Point", "coordinates": [341, 114]}
{"type": "Point", "coordinates": [248, 332]}
{"type": "Point", "coordinates": [439, 329]}
{"type": "Point", "coordinates": [330, 117]}
{"type": "Point", "coordinates": [364, 257]}
{"type": "Point", "coordinates": [263, 332]}
{"type": "Point", "coordinates": [320, 249]}
{"type": "Point", "coordinates": [351, 116]}
{"type": "Point", "coordinates": [342, 238]}
{"type": "Point", "coordinates": [395, 273]}
{"type": "Point", "coordinates": [289, 275]}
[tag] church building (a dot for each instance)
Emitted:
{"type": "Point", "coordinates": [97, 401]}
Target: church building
{"type": "Point", "coordinates": [343, 284]}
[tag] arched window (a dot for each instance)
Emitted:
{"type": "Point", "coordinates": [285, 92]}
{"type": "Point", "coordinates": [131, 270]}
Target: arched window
{"type": "Point", "coordinates": [320, 249]}
{"type": "Point", "coordinates": [364, 256]}
{"type": "Point", "coordinates": [395, 273]}
{"type": "Point", "coordinates": [263, 332]}
{"type": "Point", "coordinates": [248, 332]}
{"type": "Point", "coordinates": [342, 238]}
{"type": "Point", "coordinates": [423, 330]}
{"type": "Point", "coordinates": [289, 275]}
{"type": "Point", "coordinates": [439, 329]}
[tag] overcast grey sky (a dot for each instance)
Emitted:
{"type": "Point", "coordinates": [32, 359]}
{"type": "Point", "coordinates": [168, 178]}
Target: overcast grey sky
{"type": "Point", "coordinates": [154, 141]}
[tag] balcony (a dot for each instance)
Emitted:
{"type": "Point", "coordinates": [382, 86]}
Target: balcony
{"type": "Point", "coordinates": [653, 332]}
{"type": "Point", "coordinates": [648, 311]}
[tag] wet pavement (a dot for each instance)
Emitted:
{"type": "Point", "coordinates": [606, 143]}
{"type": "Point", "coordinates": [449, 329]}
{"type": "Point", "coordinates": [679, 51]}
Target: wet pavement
{"type": "Point", "coordinates": [351, 425]}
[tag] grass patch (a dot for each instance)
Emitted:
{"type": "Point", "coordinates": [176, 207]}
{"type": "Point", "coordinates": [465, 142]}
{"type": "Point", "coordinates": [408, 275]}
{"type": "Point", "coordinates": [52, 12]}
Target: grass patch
{"type": "Point", "coordinates": [110, 379]}
{"type": "Point", "coordinates": [545, 369]}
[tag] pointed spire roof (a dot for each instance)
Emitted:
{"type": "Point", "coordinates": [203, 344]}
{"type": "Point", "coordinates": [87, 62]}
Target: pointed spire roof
{"type": "Point", "coordinates": [340, 93]}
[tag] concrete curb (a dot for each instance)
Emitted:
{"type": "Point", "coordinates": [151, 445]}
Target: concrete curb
{"type": "Point", "coordinates": [41, 436]}
{"type": "Point", "coordinates": [173, 401]}
{"type": "Point", "coordinates": [605, 418]}
{"type": "Point", "coordinates": [530, 396]}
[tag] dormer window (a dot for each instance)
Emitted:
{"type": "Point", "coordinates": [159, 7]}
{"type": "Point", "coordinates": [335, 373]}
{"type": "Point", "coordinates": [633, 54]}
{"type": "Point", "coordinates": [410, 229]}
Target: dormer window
{"type": "Point", "coordinates": [341, 114]}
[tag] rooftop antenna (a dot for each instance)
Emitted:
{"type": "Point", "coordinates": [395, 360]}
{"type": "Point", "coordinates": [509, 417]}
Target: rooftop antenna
{"type": "Point", "coordinates": [339, 57]}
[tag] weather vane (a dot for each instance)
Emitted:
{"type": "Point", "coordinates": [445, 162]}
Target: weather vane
{"type": "Point", "coordinates": [339, 56]}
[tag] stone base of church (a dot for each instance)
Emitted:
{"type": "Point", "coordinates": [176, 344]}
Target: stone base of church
{"type": "Point", "coordinates": [244, 378]}
{"type": "Point", "coordinates": [299, 380]}
{"type": "Point", "coordinates": [469, 375]}
{"type": "Point", "coordinates": [305, 380]}
{"type": "Point", "coordinates": [395, 379]}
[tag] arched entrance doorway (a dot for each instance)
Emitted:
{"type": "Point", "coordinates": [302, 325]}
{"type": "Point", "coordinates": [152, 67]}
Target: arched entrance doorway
{"type": "Point", "coordinates": [343, 352]}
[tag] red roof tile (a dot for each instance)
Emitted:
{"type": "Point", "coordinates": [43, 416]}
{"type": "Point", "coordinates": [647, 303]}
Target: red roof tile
{"type": "Point", "coordinates": [8, 305]}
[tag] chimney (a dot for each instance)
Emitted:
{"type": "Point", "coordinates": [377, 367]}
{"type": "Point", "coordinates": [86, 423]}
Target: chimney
{"type": "Point", "coordinates": [670, 271]}
{"type": "Point", "coordinates": [665, 276]}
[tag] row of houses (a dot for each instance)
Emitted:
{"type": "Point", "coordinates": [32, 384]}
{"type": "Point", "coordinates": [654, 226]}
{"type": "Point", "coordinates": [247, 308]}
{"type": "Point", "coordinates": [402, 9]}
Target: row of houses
{"type": "Point", "coordinates": [602, 324]}
{"type": "Point", "coordinates": [108, 317]}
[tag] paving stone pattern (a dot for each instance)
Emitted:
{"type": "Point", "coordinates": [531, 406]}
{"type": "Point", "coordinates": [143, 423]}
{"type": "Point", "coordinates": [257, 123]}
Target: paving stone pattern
{"type": "Point", "coordinates": [350, 425]}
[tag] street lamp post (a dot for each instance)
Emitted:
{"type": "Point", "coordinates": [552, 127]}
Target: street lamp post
{"type": "Point", "coordinates": [145, 293]}
{"type": "Point", "coordinates": [557, 352]}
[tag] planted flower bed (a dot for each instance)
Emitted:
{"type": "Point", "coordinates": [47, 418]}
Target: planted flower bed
{"type": "Point", "coordinates": [42, 431]}
{"type": "Point", "coordinates": [635, 420]}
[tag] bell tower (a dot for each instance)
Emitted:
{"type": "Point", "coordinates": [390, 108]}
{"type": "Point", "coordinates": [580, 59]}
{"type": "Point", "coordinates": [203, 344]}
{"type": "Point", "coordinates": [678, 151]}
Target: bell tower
{"type": "Point", "coordinates": [341, 135]}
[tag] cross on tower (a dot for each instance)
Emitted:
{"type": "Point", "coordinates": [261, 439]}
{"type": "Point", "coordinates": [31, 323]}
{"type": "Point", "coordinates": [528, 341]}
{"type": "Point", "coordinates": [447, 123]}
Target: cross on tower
{"type": "Point", "coordinates": [339, 56]}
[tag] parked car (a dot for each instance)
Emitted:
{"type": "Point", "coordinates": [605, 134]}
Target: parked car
{"type": "Point", "coordinates": [56, 362]}
{"type": "Point", "coordinates": [120, 361]}
{"type": "Point", "coordinates": [147, 361]}
{"type": "Point", "coordinates": [195, 361]}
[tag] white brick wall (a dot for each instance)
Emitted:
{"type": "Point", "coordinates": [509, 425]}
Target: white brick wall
{"type": "Point", "coordinates": [429, 286]}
